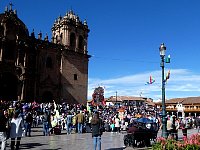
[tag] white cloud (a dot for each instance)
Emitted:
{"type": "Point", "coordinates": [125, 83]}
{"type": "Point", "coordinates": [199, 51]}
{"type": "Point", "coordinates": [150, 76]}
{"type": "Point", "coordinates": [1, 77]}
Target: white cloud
{"type": "Point", "coordinates": [181, 81]}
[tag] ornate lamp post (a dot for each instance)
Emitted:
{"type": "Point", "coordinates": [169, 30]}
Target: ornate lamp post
{"type": "Point", "coordinates": [162, 49]}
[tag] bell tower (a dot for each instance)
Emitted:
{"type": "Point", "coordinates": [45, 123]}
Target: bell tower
{"type": "Point", "coordinates": [72, 35]}
{"type": "Point", "coordinates": [71, 32]}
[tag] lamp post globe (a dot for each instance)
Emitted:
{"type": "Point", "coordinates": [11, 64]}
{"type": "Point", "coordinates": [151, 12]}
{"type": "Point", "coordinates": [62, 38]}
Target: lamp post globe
{"type": "Point", "coordinates": [162, 50]}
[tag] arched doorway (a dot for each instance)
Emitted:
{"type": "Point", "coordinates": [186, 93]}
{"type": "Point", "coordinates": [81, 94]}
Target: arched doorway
{"type": "Point", "coordinates": [47, 97]}
{"type": "Point", "coordinates": [8, 86]}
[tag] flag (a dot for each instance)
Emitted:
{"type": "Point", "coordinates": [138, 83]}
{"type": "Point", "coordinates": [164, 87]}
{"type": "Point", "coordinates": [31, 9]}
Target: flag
{"type": "Point", "coordinates": [151, 80]}
{"type": "Point", "coordinates": [168, 75]}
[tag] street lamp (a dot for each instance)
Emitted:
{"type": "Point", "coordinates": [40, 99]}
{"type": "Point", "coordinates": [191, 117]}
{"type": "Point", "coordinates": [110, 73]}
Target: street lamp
{"type": "Point", "coordinates": [162, 49]}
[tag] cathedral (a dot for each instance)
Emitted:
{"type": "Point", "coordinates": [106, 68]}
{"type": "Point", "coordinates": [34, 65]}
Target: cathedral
{"type": "Point", "coordinates": [33, 68]}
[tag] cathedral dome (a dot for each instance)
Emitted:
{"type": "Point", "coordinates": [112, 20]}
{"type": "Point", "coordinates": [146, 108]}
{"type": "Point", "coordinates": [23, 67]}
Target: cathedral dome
{"type": "Point", "coordinates": [11, 26]}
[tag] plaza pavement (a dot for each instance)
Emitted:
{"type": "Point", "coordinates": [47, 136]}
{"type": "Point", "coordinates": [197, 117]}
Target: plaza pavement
{"type": "Point", "coordinates": [110, 141]}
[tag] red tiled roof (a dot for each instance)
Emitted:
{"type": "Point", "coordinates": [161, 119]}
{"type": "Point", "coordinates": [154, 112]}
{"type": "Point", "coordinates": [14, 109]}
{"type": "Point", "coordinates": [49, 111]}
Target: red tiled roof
{"type": "Point", "coordinates": [192, 100]}
{"type": "Point", "coordinates": [186, 100]}
{"type": "Point", "coordinates": [122, 98]}
{"type": "Point", "coordinates": [175, 100]}
{"type": "Point", "coordinates": [150, 103]}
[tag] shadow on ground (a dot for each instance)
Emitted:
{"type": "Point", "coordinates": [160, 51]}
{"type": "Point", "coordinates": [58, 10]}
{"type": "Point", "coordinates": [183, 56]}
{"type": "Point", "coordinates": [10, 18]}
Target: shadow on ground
{"type": "Point", "coordinates": [121, 148]}
{"type": "Point", "coordinates": [31, 145]}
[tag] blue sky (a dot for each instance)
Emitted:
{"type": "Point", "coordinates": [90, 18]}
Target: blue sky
{"type": "Point", "coordinates": [124, 41]}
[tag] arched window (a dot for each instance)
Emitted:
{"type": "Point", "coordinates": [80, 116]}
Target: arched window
{"type": "Point", "coordinates": [80, 43]}
{"type": "Point", "coordinates": [75, 77]}
{"type": "Point", "coordinates": [49, 63]}
{"type": "Point", "coordinates": [61, 38]}
{"type": "Point", "coordinates": [72, 40]}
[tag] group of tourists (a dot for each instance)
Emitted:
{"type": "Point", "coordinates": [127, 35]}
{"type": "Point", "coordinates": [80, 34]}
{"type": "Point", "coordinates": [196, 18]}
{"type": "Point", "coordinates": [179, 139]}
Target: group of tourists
{"type": "Point", "coordinates": [11, 127]}
{"type": "Point", "coordinates": [17, 119]}
{"type": "Point", "coordinates": [185, 123]}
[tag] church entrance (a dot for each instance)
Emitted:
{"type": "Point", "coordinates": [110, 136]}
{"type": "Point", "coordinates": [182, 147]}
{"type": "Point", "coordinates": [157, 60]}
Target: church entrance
{"type": "Point", "coordinates": [47, 97]}
{"type": "Point", "coordinates": [8, 86]}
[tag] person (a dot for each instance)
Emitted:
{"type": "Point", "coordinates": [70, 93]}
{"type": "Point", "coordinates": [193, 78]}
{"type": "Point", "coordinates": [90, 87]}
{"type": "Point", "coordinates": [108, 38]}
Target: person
{"type": "Point", "coordinates": [3, 129]}
{"type": "Point", "coordinates": [96, 124]}
{"type": "Point", "coordinates": [197, 120]}
{"type": "Point", "coordinates": [184, 126]}
{"type": "Point", "coordinates": [117, 124]}
{"type": "Point", "coordinates": [169, 126]}
{"type": "Point", "coordinates": [69, 123]}
{"type": "Point", "coordinates": [34, 120]}
{"type": "Point", "coordinates": [80, 121]}
{"type": "Point", "coordinates": [107, 126]}
{"type": "Point", "coordinates": [46, 123]}
{"type": "Point", "coordinates": [74, 122]}
{"type": "Point", "coordinates": [175, 127]}
{"type": "Point", "coordinates": [28, 124]}
{"type": "Point", "coordinates": [8, 119]}
{"type": "Point", "coordinates": [112, 126]}
{"type": "Point", "coordinates": [16, 130]}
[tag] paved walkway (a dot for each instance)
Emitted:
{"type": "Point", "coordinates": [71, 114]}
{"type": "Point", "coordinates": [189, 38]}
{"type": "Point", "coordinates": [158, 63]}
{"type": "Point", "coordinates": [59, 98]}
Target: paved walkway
{"type": "Point", "coordinates": [110, 141]}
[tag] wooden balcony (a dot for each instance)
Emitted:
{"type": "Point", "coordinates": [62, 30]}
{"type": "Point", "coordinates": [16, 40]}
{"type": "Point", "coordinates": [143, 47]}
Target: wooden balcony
{"type": "Point", "coordinates": [190, 110]}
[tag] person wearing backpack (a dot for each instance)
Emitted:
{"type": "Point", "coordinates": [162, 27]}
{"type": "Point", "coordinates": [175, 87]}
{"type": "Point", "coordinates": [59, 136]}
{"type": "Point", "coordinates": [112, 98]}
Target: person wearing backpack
{"type": "Point", "coordinates": [3, 129]}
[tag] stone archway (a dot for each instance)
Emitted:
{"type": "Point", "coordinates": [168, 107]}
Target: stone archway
{"type": "Point", "coordinates": [47, 96]}
{"type": "Point", "coordinates": [8, 86]}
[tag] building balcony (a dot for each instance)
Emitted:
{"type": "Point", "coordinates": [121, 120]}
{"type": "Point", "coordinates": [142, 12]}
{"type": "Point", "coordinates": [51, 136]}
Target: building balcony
{"type": "Point", "coordinates": [185, 109]}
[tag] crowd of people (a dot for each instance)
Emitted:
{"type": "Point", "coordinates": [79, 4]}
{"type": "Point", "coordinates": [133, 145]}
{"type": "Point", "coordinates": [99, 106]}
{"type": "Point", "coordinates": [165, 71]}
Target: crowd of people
{"type": "Point", "coordinates": [17, 119]}
{"type": "Point", "coordinates": [174, 124]}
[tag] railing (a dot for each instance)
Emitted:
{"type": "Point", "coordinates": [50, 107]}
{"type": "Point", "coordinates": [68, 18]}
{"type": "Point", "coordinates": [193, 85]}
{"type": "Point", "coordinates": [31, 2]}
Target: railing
{"type": "Point", "coordinates": [185, 109]}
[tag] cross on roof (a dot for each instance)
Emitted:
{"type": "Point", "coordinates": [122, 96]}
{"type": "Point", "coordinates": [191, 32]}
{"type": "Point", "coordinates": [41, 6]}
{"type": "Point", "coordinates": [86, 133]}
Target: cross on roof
{"type": "Point", "coordinates": [10, 5]}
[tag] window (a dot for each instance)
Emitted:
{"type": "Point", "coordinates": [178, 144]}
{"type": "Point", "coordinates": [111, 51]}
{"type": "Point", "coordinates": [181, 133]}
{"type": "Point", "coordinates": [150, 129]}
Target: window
{"type": "Point", "coordinates": [72, 40]}
{"type": "Point", "coordinates": [80, 44]}
{"type": "Point", "coordinates": [75, 77]}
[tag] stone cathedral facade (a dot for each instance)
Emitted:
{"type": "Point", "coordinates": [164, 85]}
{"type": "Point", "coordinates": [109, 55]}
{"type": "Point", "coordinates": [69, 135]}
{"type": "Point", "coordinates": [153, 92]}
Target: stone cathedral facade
{"type": "Point", "coordinates": [33, 68]}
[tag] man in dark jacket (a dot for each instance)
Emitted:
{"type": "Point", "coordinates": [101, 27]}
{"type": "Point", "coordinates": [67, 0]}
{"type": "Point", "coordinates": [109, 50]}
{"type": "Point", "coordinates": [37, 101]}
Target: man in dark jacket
{"type": "Point", "coordinates": [3, 129]}
{"type": "Point", "coordinates": [28, 124]}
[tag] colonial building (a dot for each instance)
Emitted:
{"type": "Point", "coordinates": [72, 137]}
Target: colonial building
{"type": "Point", "coordinates": [131, 101]}
{"type": "Point", "coordinates": [43, 69]}
{"type": "Point", "coordinates": [182, 107]}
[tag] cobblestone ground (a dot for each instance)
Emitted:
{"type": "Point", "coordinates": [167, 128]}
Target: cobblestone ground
{"type": "Point", "coordinates": [110, 141]}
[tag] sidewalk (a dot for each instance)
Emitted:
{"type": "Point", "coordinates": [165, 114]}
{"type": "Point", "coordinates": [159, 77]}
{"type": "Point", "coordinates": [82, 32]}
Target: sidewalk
{"type": "Point", "coordinates": [110, 141]}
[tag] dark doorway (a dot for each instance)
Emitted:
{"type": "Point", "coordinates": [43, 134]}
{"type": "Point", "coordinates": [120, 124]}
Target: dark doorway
{"type": "Point", "coordinates": [47, 97]}
{"type": "Point", "coordinates": [8, 86]}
